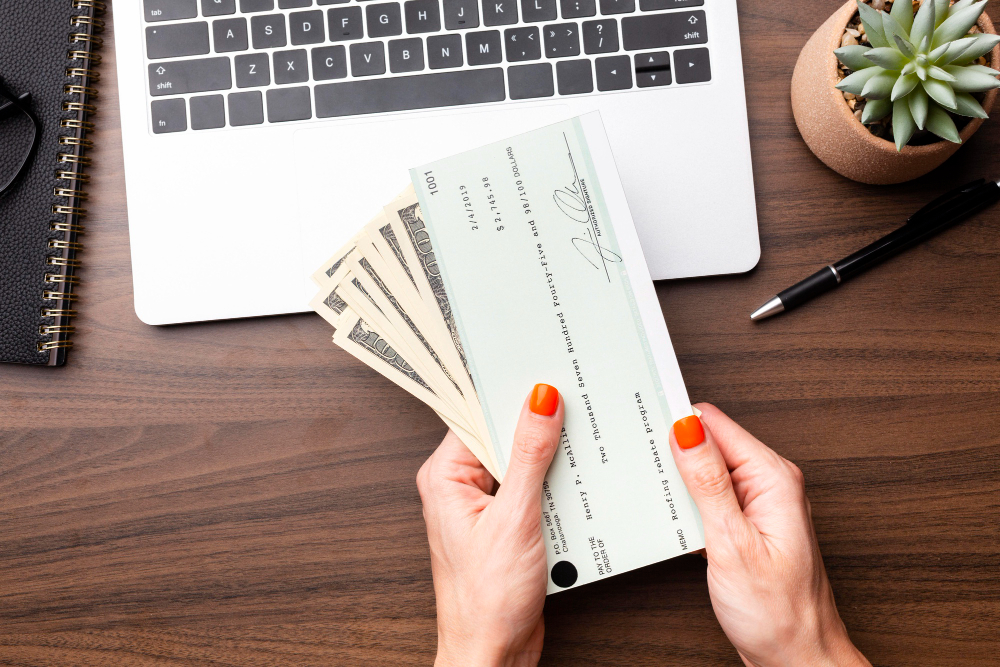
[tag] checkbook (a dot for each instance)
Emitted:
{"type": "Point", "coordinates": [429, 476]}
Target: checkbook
{"type": "Point", "coordinates": [518, 263]}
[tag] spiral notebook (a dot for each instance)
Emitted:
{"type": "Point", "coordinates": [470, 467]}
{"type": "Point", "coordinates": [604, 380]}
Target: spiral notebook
{"type": "Point", "coordinates": [47, 52]}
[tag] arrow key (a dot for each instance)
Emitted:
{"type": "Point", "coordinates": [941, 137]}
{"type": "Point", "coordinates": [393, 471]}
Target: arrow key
{"type": "Point", "coordinates": [652, 69]}
{"type": "Point", "coordinates": [562, 40]}
{"type": "Point", "coordinates": [613, 73]}
{"type": "Point", "coordinates": [522, 44]}
{"type": "Point", "coordinates": [692, 65]}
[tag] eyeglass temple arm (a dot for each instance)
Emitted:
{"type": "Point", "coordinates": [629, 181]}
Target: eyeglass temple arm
{"type": "Point", "coordinates": [8, 107]}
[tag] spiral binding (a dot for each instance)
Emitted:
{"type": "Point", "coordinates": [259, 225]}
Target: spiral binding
{"type": "Point", "coordinates": [80, 90]}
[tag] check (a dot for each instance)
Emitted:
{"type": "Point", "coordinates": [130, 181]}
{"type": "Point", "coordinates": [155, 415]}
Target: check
{"type": "Point", "coordinates": [542, 279]}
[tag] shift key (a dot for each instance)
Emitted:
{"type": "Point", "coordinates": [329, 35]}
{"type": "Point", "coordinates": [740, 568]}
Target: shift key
{"type": "Point", "coordinates": [655, 31]}
{"type": "Point", "coordinates": [190, 76]}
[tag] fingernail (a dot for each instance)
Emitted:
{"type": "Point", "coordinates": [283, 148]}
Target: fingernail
{"type": "Point", "coordinates": [544, 400]}
{"type": "Point", "coordinates": [689, 432]}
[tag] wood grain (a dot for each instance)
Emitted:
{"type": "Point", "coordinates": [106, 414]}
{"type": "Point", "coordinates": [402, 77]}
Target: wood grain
{"type": "Point", "coordinates": [241, 493]}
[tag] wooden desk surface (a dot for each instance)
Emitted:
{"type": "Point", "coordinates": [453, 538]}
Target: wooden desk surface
{"type": "Point", "coordinates": [242, 493]}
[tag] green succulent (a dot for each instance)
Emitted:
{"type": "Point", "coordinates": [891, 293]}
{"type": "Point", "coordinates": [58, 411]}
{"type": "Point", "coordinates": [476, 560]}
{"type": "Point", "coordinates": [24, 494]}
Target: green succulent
{"type": "Point", "coordinates": [920, 67]}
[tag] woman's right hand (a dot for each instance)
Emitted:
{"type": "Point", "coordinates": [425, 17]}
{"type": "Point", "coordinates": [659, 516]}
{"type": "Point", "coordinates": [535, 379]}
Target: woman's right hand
{"type": "Point", "coordinates": [766, 577]}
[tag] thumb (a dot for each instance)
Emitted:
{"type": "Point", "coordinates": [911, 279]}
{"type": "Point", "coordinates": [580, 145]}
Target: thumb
{"type": "Point", "coordinates": [535, 442]}
{"type": "Point", "coordinates": [706, 476]}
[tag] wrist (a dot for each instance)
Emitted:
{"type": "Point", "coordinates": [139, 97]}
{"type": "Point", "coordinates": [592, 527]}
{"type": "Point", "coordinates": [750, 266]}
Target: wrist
{"type": "Point", "coordinates": [831, 648]}
{"type": "Point", "coordinates": [841, 652]}
{"type": "Point", "coordinates": [469, 651]}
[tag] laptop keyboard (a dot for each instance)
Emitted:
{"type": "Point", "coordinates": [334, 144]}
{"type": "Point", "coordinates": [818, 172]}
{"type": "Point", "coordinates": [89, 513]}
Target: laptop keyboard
{"type": "Point", "coordinates": [231, 63]}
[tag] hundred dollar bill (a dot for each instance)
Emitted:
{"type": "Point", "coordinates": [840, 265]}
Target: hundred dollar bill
{"type": "Point", "coordinates": [409, 229]}
{"type": "Point", "coordinates": [362, 342]}
{"type": "Point", "coordinates": [324, 273]}
{"type": "Point", "coordinates": [406, 220]}
{"type": "Point", "coordinates": [380, 316]}
{"type": "Point", "coordinates": [369, 280]}
{"type": "Point", "coordinates": [327, 269]}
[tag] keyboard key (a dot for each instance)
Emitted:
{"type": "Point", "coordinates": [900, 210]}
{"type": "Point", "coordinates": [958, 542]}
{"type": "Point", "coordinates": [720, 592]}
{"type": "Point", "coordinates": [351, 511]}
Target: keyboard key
{"type": "Point", "coordinates": [562, 40]}
{"type": "Point", "coordinates": [218, 7]}
{"type": "Point", "coordinates": [652, 69]}
{"type": "Point", "coordinates": [692, 65]}
{"type": "Point", "coordinates": [291, 67]}
{"type": "Point", "coordinates": [174, 41]}
{"type": "Point", "coordinates": [268, 31]}
{"type": "Point", "coordinates": [169, 10]}
{"type": "Point", "coordinates": [249, 6]}
{"type": "Point", "coordinates": [208, 112]}
{"type": "Point", "coordinates": [306, 27]}
{"type": "Point", "coordinates": [534, 11]}
{"type": "Point", "coordinates": [384, 19]}
{"type": "Point", "coordinates": [499, 12]}
{"type": "Point", "coordinates": [285, 104]}
{"type": "Point", "coordinates": [444, 51]}
{"type": "Point", "coordinates": [653, 5]}
{"type": "Point", "coordinates": [367, 59]}
{"type": "Point", "coordinates": [422, 16]}
{"type": "Point", "coordinates": [230, 35]}
{"type": "Point", "coordinates": [246, 108]}
{"type": "Point", "coordinates": [169, 116]}
{"type": "Point", "coordinates": [345, 24]}
{"type": "Point", "coordinates": [522, 44]}
{"type": "Point", "coordinates": [294, 4]}
{"type": "Point", "coordinates": [527, 81]}
{"type": "Point", "coordinates": [600, 36]}
{"type": "Point", "coordinates": [617, 7]}
{"type": "Point", "coordinates": [574, 77]}
{"type": "Point", "coordinates": [459, 14]}
{"type": "Point", "coordinates": [656, 31]}
{"type": "Point", "coordinates": [574, 9]}
{"type": "Point", "coordinates": [330, 2]}
{"type": "Point", "coordinates": [417, 91]}
{"type": "Point", "coordinates": [329, 62]}
{"type": "Point", "coordinates": [613, 73]}
{"type": "Point", "coordinates": [252, 70]}
{"type": "Point", "coordinates": [189, 76]}
{"type": "Point", "coordinates": [406, 55]}
{"type": "Point", "coordinates": [483, 48]}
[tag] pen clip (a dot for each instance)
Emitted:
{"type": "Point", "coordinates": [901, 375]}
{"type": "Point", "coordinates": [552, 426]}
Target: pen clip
{"type": "Point", "coordinates": [934, 206]}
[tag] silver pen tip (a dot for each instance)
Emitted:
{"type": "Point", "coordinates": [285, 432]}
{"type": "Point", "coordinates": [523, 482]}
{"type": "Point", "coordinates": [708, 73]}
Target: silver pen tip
{"type": "Point", "coordinates": [772, 307]}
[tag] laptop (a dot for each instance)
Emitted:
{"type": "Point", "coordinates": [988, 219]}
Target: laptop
{"type": "Point", "coordinates": [259, 135]}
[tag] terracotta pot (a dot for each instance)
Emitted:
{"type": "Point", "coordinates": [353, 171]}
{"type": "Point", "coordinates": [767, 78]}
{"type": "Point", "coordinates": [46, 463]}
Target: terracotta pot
{"type": "Point", "coordinates": [833, 133]}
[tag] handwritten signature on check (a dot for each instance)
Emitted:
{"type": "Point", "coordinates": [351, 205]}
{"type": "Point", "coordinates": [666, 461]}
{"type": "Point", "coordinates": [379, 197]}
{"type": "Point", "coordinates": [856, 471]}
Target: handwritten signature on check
{"type": "Point", "coordinates": [572, 201]}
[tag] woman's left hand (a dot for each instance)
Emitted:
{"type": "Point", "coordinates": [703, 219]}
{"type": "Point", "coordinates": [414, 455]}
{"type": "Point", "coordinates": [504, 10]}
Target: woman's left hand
{"type": "Point", "coordinates": [487, 552]}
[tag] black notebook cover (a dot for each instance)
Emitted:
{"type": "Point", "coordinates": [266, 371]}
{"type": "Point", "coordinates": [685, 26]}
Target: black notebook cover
{"type": "Point", "coordinates": [47, 49]}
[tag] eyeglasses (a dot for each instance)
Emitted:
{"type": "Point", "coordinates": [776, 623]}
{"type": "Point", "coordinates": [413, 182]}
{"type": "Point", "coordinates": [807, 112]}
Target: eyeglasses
{"type": "Point", "coordinates": [20, 131]}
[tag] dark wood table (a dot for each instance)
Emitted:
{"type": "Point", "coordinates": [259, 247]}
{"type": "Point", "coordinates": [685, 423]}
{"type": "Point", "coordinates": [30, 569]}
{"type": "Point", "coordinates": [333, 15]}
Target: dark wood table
{"type": "Point", "coordinates": [243, 492]}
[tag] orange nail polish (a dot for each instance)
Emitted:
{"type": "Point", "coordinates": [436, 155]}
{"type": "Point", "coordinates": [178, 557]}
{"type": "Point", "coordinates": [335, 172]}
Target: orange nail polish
{"type": "Point", "coordinates": [544, 400]}
{"type": "Point", "coordinates": [689, 432]}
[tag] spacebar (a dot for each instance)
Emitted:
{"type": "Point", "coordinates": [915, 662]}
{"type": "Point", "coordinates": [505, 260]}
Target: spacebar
{"type": "Point", "coordinates": [421, 91]}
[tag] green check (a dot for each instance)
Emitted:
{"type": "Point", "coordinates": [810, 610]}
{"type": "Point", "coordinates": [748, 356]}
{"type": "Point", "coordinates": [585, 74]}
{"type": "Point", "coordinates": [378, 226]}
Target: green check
{"type": "Point", "coordinates": [527, 251]}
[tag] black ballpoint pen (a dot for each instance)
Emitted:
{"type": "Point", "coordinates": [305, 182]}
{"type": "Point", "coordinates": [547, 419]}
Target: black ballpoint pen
{"type": "Point", "coordinates": [943, 212]}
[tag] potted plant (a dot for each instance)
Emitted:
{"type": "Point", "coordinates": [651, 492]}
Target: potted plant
{"type": "Point", "coordinates": [920, 78]}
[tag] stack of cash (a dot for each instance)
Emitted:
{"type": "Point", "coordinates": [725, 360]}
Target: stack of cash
{"type": "Point", "coordinates": [385, 296]}
{"type": "Point", "coordinates": [514, 263]}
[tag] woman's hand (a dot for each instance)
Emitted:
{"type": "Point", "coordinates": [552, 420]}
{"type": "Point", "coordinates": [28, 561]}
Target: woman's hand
{"type": "Point", "coordinates": [765, 572]}
{"type": "Point", "coordinates": [487, 555]}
